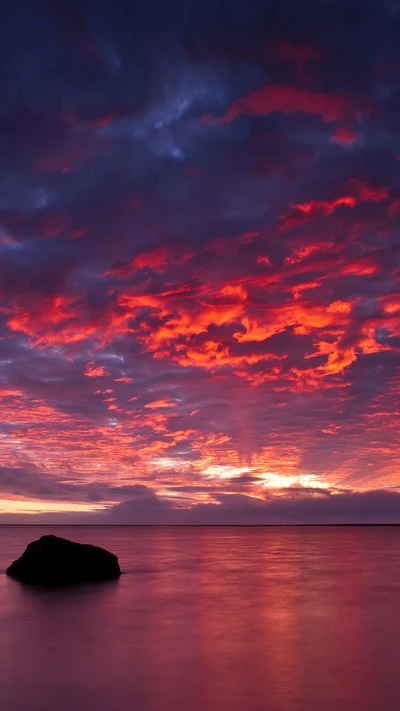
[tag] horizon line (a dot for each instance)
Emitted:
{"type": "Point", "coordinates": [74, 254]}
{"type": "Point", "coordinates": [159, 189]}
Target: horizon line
{"type": "Point", "coordinates": [195, 525]}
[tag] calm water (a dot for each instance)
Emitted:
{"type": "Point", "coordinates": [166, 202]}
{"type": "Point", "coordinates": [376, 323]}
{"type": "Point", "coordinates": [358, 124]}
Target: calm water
{"type": "Point", "coordinates": [212, 619]}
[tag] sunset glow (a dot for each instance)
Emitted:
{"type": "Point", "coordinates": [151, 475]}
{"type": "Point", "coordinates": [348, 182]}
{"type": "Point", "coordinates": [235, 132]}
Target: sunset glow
{"type": "Point", "coordinates": [199, 267]}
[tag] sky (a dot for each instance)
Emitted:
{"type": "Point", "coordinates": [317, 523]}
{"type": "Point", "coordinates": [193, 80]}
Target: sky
{"type": "Point", "coordinates": [199, 261]}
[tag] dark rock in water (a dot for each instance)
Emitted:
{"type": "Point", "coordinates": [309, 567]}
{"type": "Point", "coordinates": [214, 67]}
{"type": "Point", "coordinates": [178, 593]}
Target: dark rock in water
{"type": "Point", "coordinates": [57, 561]}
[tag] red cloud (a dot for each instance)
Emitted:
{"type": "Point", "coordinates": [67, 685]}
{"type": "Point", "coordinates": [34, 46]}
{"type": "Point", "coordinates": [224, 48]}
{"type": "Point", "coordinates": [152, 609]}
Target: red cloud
{"type": "Point", "coordinates": [287, 100]}
{"type": "Point", "coordinates": [367, 191]}
{"type": "Point", "coordinates": [325, 207]}
{"type": "Point", "coordinates": [157, 260]}
{"type": "Point", "coordinates": [297, 54]}
{"type": "Point", "coordinates": [358, 191]}
{"type": "Point", "coordinates": [345, 136]}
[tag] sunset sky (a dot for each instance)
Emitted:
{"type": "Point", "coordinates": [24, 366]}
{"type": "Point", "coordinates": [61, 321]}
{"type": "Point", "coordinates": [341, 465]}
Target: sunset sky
{"type": "Point", "coordinates": [199, 261]}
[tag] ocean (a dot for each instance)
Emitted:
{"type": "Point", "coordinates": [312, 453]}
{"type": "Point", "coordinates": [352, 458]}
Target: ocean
{"type": "Point", "coordinates": [209, 619]}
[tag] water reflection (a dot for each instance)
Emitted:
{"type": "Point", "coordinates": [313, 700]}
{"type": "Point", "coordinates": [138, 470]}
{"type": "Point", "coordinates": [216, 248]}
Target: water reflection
{"type": "Point", "coordinates": [211, 619]}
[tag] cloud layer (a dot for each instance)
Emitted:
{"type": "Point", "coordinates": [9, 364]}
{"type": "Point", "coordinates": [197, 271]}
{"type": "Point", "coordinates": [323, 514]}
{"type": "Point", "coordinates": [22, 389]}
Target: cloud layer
{"type": "Point", "coordinates": [199, 260]}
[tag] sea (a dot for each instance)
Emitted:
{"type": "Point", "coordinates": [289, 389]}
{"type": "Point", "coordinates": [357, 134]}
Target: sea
{"type": "Point", "coordinates": [209, 619]}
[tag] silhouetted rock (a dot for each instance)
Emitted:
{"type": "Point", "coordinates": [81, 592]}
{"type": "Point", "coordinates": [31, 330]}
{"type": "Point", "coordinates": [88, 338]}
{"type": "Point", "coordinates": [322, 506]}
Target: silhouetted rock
{"type": "Point", "coordinates": [57, 561]}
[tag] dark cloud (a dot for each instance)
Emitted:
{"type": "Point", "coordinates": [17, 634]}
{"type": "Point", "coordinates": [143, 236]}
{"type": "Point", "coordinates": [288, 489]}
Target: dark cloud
{"type": "Point", "coordinates": [319, 508]}
{"type": "Point", "coordinates": [301, 507]}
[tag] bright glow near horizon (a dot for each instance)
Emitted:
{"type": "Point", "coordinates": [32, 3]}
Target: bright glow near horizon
{"type": "Point", "coordinates": [17, 506]}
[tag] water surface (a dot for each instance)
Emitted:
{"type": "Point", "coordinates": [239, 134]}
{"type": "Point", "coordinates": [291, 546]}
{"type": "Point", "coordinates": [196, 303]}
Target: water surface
{"type": "Point", "coordinates": [209, 619]}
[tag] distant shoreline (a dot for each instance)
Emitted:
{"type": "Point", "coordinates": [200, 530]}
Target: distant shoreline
{"type": "Point", "coordinates": [198, 525]}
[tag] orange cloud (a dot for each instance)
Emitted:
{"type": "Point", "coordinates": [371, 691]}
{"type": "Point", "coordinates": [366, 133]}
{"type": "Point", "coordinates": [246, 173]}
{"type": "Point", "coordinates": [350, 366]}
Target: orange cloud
{"type": "Point", "coordinates": [95, 372]}
{"type": "Point", "coordinates": [157, 404]}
